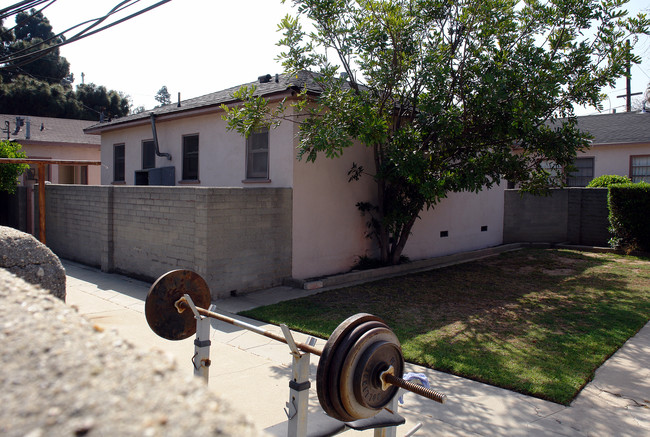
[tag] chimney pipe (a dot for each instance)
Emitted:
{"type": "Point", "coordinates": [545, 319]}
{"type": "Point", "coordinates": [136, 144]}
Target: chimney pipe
{"type": "Point", "coordinates": [28, 129]}
{"type": "Point", "coordinates": [179, 99]}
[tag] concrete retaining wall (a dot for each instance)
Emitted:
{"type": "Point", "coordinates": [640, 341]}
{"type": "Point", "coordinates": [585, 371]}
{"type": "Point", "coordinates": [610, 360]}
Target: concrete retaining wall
{"type": "Point", "coordinates": [573, 215]}
{"type": "Point", "coordinates": [238, 239]}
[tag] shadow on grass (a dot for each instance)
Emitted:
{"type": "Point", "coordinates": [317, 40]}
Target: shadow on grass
{"type": "Point", "coordinates": [536, 321]}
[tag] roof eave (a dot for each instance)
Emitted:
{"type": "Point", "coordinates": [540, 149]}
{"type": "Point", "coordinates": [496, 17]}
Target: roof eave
{"type": "Point", "coordinates": [98, 129]}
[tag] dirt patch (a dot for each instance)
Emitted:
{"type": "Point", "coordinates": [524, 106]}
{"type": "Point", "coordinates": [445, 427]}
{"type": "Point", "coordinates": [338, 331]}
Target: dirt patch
{"type": "Point", "coordinates": [558, 272]}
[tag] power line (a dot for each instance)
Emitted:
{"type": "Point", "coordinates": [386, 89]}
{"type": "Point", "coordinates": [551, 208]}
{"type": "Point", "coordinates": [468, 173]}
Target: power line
{"type": "Point", "coordinates": [26, 56]}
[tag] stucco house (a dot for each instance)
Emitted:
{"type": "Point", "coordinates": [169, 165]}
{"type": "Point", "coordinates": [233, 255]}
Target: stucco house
{"type": "Point", "coordinates": [55, 138]}
{"type": "Point", "coordinates": [46, 138]}
{"type": "Point", "coordinates": [620, 146]}
{"type": "Point", "coordinates": [187, 143]}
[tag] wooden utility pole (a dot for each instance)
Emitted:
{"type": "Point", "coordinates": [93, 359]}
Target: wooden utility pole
{"type": "Point", "coordinates": [628, 82]}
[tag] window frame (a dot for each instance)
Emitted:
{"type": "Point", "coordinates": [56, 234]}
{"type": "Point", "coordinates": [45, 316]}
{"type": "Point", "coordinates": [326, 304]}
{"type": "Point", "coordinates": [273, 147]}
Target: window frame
{"type": "Point", "coordinates": [632, 177]}
{"type": "Point", "coordinates": [251, 175]}
{"type": "Point", "coordinates": [186, 162]}
{"type": "Point", "coordinates": [143, 155]}
{"type": "Point", "coordinates": [119, 163]}
{"type": "Point", "coordinates": [581, 178]}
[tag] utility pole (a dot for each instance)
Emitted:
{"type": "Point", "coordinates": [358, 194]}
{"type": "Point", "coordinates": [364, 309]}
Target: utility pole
{"type": "Point", "coordinates": [628, 82]}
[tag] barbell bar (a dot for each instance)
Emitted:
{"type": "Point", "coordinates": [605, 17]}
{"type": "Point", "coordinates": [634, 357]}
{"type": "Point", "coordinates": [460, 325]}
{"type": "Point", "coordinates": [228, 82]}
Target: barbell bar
{"type": "Point", "coordinates": [356, 373]}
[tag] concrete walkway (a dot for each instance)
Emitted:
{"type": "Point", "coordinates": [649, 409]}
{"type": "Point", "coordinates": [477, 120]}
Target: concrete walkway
{"type": "Point", "coordinates": [253, 373]}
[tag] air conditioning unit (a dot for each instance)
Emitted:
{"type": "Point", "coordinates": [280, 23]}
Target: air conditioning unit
{"type": "Point", "coordinates": [165, 176]}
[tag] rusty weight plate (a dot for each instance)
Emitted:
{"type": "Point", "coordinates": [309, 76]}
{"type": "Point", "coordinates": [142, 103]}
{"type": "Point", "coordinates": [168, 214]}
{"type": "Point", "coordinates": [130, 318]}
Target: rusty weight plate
{"type": "Point", "coordinates": [162, 316]}
{"type": "Point", "coordinates": [361, 387]}
{"type": "Point", "coordinates": [331, 362]}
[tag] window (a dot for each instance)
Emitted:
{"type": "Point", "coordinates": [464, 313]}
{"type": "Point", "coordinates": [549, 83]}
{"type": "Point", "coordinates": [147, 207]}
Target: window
{"type": "Point", "coordinates": [83, 175]}
{"type": "Point", "coordinates": [257, 155]}
{"type": "Point", "coordinates": [148, 154]}
{"type": "Point", "coordinates": [583, 174]}
{"type": "Point", "coordinates": [118, 163]}
{"type": "Point", "coordinates": [190, 157]}
{"type": "Point", "coordinates": [640, 168]}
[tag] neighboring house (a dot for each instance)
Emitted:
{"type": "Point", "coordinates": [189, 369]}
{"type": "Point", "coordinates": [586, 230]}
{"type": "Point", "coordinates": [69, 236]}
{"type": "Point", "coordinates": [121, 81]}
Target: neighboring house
{"type": "Point", "coordinates": [620, 146]}
{"type": "Point", "coordinates": [54, 138]}
{"type": "Point", "coordinates": [195, 148]}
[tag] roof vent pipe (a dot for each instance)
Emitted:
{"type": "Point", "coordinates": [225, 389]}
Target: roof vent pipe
{"type": "Point", "coordinates": [19, 122]}
{"type": "Point", "coordinates": [28, 129]}
{"type": "Point", "coordinates": [179, 99]}
{"type": "Point", "coordinates": [155, 138]}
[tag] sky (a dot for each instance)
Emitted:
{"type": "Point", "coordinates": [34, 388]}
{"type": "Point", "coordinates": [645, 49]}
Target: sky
{"type": "Point", "coordinates": [196, 47]}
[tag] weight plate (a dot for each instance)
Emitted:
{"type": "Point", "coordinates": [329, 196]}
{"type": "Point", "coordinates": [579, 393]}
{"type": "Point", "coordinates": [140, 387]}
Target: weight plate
{"type": "Point", "coordinates": [345, 343]}
{"type": "Point", "coordinates": [162, 316]}
{"type": "Point", "coordinates": [360, 386]}
{"type": "Point", "coordinates": [323, 376]}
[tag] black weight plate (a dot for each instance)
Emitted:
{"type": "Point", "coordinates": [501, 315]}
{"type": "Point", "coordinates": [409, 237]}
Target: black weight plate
{"type": "Point", "coordinates": [162, 316]}
{"type": "Point", "coordinates": [378, 358]}
{"type": "Point", "coordinates": [324, 363]}
{"type": "Point", "coordinates": [351, 385]}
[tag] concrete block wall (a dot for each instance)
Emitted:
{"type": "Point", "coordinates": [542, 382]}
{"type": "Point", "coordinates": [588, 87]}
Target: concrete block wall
{"type": "Point", "coordinates": [238, 239]}
{"type": "Point", "coordinates": [78, 223]}
{"type": "Point", "coordinates": [573, 215]}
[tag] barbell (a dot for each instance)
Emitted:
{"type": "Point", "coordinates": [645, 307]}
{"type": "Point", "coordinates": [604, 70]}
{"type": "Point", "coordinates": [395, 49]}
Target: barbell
{"type": "Point", "coordinates": [359, 368]}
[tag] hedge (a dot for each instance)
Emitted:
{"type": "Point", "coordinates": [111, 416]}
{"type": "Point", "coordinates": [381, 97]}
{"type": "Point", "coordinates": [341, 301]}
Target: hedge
{"type": "Point", "coordinates": [629, 216]}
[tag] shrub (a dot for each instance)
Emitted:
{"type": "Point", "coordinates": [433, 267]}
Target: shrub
{"type": "Point", "coordinates": [628, 216]}
{"type": "Point", "coordinates": [605, 181]}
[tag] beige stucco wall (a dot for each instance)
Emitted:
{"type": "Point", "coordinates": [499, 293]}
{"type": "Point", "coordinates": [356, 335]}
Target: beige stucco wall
{"type": "Point", "coordinates": [614, 159]}
{"type": "Point", "coordinates": [222, 153]}
{"type": "Point", "coordinates": [462, 215]}
{"type": "Point", "coordinates": [328, 229]}
{"type": "Point", "coordinates": [71, 152]}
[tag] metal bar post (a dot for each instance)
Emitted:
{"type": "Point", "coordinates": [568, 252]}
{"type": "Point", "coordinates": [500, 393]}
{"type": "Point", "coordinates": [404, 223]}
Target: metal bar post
{"type": "Point", "coordinates": [201, 358]}
{"type": "Point", "coordinates": [390, 431]}
{"type": "Point", "coordinates": [41, 203]}
{"type": "Point", "coordinates": [298, 405]}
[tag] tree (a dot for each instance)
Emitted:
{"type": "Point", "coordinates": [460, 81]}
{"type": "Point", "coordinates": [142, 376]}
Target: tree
{"type": "Point", "coordinates": [33, 31]}
{"type": "Point", "coordinates": [163, 97]}
{"type": "Point", "coordinates": [449, 96]}
{"type": "Point", "coordinates": [9, 172]}
{"type": "Point", "coordinates": [97, 100]}
{"type": "Point", "coordinates": [42, 86]}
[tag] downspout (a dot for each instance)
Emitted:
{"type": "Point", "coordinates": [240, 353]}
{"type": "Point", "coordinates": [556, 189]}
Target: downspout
{"type": "Point", "coordinates": [155, 138]}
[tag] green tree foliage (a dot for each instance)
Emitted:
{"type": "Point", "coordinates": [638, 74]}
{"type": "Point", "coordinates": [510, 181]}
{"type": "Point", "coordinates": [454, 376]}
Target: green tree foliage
{"type": "Point", "coordinates": [43, 86]}
{"type": "Point", "coordinates": [441, 91]}
{"type": "Point", "coordinates": [163, 97]}
{"type": "Point", "coordinates": [9, 172]}
{"type": "Point", "coordinates": [33, 31]}
{"type": "Point", "coordinates": [98, 100]}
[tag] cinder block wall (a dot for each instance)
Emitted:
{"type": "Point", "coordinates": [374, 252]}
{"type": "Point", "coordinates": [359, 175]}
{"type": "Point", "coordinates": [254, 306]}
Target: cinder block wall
{"type": "Point", "coordinates": [572, 215]}
{"type": "Point", "coordinates": [238, 239]}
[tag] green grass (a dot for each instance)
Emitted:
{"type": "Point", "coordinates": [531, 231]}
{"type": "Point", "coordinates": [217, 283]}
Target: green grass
{"type": "Point", "coordinates": [539, 322]}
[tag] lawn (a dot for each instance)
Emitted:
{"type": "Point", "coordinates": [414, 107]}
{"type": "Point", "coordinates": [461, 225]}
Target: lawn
{"type": "Point", "coordinates": [536, 321]}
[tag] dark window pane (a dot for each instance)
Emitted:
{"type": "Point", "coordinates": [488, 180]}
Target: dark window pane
{"type": "Point", "coordinates": [118, 163]}
{"type": "Point", "coordinates": [257, 161]}
{"type": "Point", "coordinates": [191, 157]}
{"type": "Point", "coordinates": [148, 154]}
{"type": "Point", "coordinates": [583, 174]}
